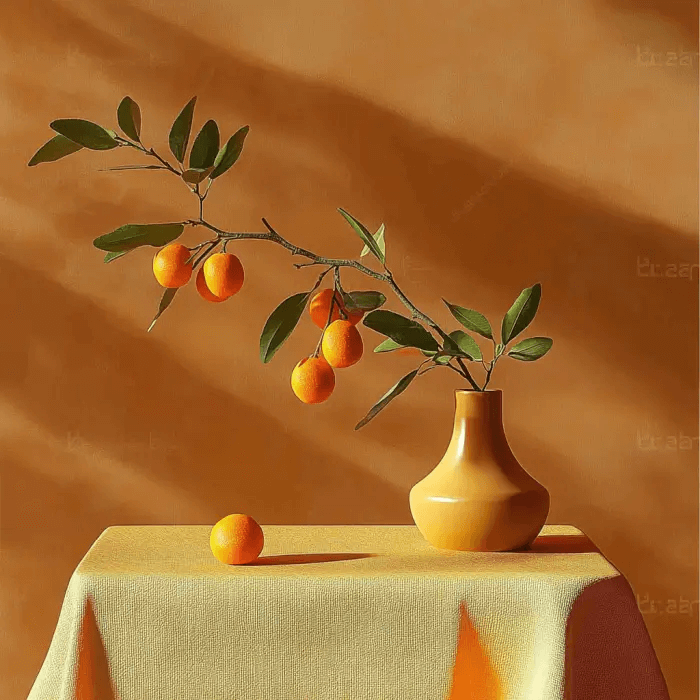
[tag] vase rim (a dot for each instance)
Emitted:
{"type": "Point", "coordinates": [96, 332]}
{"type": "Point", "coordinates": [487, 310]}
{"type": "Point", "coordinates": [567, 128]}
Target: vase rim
{"type": "Point", "coordinates": [474, 391]}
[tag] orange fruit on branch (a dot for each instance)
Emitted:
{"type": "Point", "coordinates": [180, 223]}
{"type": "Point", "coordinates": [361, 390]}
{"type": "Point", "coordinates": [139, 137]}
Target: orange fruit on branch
{"type": "Point", "coordinates": [203, 290]}
{"type": "Point", "coordinates": [223, 274]}
{"type": "Point", "coordinates": [342, 344]}
{"type": "Point", "coordinates": [320, 307]}
{"type": "Point", "coordinates": [170, 265]}
{"type": "Point", "coordinates": [236, 539]}
{"type": "Point", "coordinates": [313, 380]}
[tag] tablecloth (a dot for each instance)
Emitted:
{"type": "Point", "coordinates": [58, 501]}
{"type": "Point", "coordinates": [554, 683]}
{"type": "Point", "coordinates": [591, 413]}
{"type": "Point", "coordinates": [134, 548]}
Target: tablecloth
{"type": "Point", "coordinates": [346, 613]}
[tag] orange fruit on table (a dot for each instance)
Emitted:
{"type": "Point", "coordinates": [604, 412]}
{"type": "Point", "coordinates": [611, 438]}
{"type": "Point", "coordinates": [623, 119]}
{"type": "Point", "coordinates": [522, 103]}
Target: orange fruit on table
{"type": "Point", "coordinates": [223, 274]}
{"type": "Point", "coordinates": [236, 539]}
{"type": "Point", "coordinates": [313, 380]}
{"type": "Point", "coordinates": [170, 265]}
{"type": "Point", "coordinates": [342, 344]}
{"type": "Point", "coordinates": [321, 304]}
{"type": "Point", "coordinates": [203, 290]}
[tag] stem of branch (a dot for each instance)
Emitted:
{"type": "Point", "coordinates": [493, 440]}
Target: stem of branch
{"type": "Point", "coordinates": [323, 332]}
{"type": "Point", "coordinates": [332, 263]}
{"type": "Point", "coordinates": [492, 364]}
{"type": "Point", "coordinates": [469, 377]}
{"type": "Point", "coordinates": [205, 253]}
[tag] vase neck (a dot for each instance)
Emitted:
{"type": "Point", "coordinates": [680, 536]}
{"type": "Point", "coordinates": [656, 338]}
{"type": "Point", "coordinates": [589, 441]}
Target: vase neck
{"type": "Point", "coordinates": [478, 424]}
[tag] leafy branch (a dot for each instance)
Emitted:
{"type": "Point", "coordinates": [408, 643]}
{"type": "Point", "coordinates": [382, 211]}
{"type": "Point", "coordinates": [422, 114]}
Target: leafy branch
{"type": "Point", "coordinates": [207, 162]}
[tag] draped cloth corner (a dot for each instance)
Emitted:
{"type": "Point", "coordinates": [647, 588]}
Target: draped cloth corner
{"type": "Point", "coordinates": [76, 666]}
{"type": "Point", "coordinates": [473, 675]}
{"type": "Point", "coordinates": [92, 677]}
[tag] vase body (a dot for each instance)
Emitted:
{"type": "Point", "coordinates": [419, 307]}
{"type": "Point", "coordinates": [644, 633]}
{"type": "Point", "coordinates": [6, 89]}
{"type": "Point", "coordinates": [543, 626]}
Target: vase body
{"type": "Point", "coordinates": [479, 498]}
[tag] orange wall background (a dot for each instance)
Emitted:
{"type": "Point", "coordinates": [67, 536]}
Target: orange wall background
{"type": "Point", "coordinates": [502, 142]}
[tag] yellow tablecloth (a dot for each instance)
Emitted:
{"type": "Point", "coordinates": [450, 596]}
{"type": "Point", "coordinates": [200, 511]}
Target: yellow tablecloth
{"type": "Point", "coordinates": [346, 613]}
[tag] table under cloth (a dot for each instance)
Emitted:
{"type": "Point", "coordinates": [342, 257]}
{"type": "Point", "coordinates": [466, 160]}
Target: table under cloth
{"type": "Point", "coordinates": [346, 613]}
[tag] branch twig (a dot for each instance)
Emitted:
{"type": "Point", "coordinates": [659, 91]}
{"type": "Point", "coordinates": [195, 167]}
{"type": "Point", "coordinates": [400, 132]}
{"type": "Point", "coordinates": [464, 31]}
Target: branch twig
{"type": "Point", "coordinates": [332, 263]}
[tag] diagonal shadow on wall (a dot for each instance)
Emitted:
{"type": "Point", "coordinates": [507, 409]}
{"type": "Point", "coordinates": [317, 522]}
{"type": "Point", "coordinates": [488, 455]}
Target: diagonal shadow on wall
{"type": "Point", "coordinates": [530, 226]}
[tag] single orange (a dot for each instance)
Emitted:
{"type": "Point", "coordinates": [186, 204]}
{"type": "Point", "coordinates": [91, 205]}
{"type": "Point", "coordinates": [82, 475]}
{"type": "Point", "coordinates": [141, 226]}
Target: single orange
{"type": "Point", "coordinates": [321, 305]}
{"type": "Point", "coordinates": [203, 290]}
{"type": "Point", "coordinates": [342, 344]}
{"type": "Point", "coordinates": [170, 265]}
{"type": "Point", "coordinates": [223, 274]}
{"type": "Point", "coordinates": [236, 539]}
{"type": "Point", "coordinates": [313, 380]}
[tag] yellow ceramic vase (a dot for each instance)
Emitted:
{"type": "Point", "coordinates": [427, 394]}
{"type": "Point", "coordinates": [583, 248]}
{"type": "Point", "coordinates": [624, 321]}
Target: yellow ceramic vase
{"type": "Point", "coordinates": [479, 498]}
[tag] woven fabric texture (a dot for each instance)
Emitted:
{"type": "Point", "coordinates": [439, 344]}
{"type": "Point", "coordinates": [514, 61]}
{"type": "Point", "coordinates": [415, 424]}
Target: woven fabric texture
{"type": "Point", "coordinates": [346, 613]}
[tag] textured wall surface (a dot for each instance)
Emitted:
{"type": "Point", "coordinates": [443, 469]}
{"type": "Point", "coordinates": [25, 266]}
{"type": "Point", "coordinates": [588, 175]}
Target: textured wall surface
{"type": "Point", "coordinates": [502, 142]}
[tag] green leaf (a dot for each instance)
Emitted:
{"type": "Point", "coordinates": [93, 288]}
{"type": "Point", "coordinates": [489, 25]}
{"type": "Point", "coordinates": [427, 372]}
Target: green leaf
{"type": "Point", "coordinates": [58, 147]}
{"type": "Point", "coordinates": [180, 131]}
{"type": "Point", "coordinates": [196, 175]}
{"type": "Point", "coordinates": [129, 118]}
{"type": "Point", "coordinates": [471, 319]}
{"type": "Point", "coordinates": [388, 345]}
{"type": "Point", "coordinates": [85, 133]}
{"type": "Point", "coordinates": [365, 235]}
{"type": "Point", "coordinates": [206, 146]}
{"type": "Point", "coordinates": [363, 301]}
{"type": "Point", "coordinates": [442, 359]}
{"type": "Point", "coordinates": [522, 312]}
{"type": "Point", "coordinates": [280, 324]}
{"type": "Point", "coordinates": [229, 152]}
{"type": "Point", "coordinates": [379, 240]}
{"type": "Point", "coordinates": [165, 301]}
{"type": "Point", "coordinates": [400, 329]}
{"type": "Point", "coordinates": [530, 349]}
{"type": "Point", "coordinates": [137, 167]}
{"type": "Point", "coordinates": [390, 395]}
{"type": "Point", "coordinates": [134, 235]}
{"type": "Point", "coordinates": [499, 350]}
{"type": "Point", "coordinates": [466, 345]}
{"type": "Point", "coordinates": [113, 256]}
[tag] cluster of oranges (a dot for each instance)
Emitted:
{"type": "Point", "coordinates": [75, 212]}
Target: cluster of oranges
{"type": "Point", "coordinates": [220, 277]}
{"type": "Point", "coordinates": [313, 379]}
